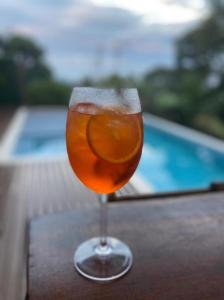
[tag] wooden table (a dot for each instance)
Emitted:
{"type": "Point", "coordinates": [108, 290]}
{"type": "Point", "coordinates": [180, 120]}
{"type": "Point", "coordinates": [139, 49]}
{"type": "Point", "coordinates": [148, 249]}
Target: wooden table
{"type": "Point", "coordinates": [177, 243]}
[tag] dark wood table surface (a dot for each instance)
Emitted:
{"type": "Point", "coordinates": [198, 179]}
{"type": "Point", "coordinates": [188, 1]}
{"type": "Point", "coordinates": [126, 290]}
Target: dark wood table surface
{"type": "Point", "coordinates": [177, 244]}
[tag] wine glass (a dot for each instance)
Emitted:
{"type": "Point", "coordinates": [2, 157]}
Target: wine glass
{"type": "Point", "coordinates": [104, 137]}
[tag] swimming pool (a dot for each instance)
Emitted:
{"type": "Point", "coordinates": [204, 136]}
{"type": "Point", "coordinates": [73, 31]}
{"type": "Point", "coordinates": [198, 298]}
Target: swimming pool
{"type": "Point", "coordinates": [173, 158]}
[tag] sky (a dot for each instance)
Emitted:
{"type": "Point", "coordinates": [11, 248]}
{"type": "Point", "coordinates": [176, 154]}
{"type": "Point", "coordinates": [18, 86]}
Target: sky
{"type": "Point", "coordinates": [94, 38]}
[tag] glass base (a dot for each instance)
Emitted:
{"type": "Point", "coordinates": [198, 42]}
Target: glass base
{"type": "Point", "coordinates": [103, 263]}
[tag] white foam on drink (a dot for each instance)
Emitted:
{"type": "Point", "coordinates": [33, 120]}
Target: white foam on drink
{"type": "Point", "coordinates": [104, 98]}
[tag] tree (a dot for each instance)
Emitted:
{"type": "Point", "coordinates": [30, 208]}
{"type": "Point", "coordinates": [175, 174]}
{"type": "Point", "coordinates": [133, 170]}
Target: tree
{"type": "Point", "coordinates": [200, 73]}
{"type": "Point", "coordinates": [22, 57]}
{"type": "Point", "coordinates": [28, 56]}
{"type": "Point", "coordinates": [48, 92]}
{"type": "Point", "coordinates": [216, 6]}
{"type": "Point", "coordinates": [202, 49]}
{"type": "Point", "coordinates": [9, 90]}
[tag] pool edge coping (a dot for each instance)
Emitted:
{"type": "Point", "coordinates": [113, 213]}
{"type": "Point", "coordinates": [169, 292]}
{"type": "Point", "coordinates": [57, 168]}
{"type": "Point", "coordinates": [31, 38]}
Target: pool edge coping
{"type": "Point", "coordinates": [11, 134]}
{"type": "Point", "coordinates": [183, 132]}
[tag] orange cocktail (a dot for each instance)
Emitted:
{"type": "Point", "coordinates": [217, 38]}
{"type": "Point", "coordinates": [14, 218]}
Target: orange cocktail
{"type": "Point", "coordinates": [104, 145]}
{"type": "Point", "coordinates": [104, 142]}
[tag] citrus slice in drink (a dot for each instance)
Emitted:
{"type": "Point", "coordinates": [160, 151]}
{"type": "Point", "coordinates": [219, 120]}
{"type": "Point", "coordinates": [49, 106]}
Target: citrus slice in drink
{"type": "Point", "coordinates": [114, 137]}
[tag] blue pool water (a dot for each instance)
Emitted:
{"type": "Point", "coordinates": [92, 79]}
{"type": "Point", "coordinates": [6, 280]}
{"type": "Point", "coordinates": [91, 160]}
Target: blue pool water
{"type": "Point", "coordinates": [42, 134]}
{"type": "Point", "coordinates": [168, 162]}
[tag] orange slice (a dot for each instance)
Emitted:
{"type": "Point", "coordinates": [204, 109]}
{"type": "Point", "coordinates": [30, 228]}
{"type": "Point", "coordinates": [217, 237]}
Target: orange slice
{"type": "Point", "coordinates": [114, 137]}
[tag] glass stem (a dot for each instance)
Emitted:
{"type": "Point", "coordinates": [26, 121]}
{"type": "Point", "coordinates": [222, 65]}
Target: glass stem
{"type": "Point", "coordinates": [103, 219]}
